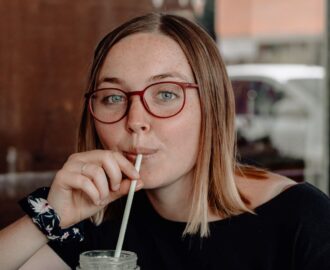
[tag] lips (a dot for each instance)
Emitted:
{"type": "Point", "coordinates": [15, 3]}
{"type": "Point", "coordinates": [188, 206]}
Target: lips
{"type": "Point", "coordinates": [133, 152]}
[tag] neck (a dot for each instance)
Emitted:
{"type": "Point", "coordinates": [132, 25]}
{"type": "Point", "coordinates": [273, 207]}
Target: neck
{"type": "Point", "coordinates": [173, 202]}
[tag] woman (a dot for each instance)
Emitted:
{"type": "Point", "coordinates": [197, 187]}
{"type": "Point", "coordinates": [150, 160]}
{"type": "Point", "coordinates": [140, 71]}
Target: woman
{"type": "Point", "coordinates": [158, 87]}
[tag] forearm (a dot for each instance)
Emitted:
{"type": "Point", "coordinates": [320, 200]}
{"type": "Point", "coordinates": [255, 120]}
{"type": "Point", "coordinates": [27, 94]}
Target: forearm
{"type": "Point", "coordinates": [18, 242]}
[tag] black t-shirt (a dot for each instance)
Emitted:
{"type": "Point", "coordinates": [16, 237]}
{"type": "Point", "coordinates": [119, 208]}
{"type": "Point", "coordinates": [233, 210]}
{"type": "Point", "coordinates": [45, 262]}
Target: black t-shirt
{"type": "Point", "coordinates": [291, 231]}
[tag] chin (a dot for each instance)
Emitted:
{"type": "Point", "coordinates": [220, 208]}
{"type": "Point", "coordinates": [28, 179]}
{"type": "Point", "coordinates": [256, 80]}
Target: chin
{"type": "Point", "coordinates": [151, 183]}
{"type": "Point", "coordinates": [151, 186]}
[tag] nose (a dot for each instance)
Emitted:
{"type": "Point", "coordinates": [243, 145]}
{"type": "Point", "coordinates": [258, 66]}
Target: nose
{"type": "Point", "coordinates": [137, 116]}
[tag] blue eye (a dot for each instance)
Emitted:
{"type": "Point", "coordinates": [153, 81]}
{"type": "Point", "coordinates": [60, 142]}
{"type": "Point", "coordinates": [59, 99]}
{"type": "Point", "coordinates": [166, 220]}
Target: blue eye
{"type": "Point", "coordinates": [114, 99]}
{"type": "Point", "coordinates": [166, 95]}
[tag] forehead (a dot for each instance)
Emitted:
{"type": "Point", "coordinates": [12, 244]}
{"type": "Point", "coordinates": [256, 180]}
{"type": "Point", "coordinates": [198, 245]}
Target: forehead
{"type": "Point", "coordinates": [145, 55]}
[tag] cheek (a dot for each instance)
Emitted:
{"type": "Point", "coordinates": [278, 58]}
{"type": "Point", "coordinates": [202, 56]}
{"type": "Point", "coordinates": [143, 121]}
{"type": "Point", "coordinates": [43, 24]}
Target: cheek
{"type": "Point", "coordinates": [108, 135]}
{"type": "Point", "coordinates": [184, 137]}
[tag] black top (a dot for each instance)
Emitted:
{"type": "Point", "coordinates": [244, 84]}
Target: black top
{"type": "Point", "coordinates": [291, 231]}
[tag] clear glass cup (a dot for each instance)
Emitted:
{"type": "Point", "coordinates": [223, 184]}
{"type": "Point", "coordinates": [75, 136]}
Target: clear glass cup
{"type": "Point", "coordinates": [104, 259]}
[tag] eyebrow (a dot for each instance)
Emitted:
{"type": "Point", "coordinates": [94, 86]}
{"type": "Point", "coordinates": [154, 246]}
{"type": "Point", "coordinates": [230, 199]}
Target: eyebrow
{"type": "Point", "coordinates": [168, 75]}
{"type": "Point", "coordinates": [154, 78]}
{"type": "Point", "coordinates": [110, 80]}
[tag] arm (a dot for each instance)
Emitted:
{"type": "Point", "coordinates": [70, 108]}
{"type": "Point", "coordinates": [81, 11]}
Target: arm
{"type": "Point", "coordinates": [75, 195]}
{"type": "Point", "coordinates": [45, 258]}
{"type": "Point", "coordinates": [18, 242]}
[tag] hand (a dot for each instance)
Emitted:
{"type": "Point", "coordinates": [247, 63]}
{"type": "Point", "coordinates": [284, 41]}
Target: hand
{"type": "Point", "coordinates": [88, 182]}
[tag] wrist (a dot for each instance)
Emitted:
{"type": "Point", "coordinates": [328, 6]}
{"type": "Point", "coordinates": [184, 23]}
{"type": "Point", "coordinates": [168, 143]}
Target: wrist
{"type": "Point", "coordinates": [46, 219]}
{"type": "Point", "coordinates": [34, 230]}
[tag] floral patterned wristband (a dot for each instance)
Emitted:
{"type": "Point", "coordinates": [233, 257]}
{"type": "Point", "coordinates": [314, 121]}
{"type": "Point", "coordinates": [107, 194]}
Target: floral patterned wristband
{"type": "Point", "coordinates": [46, 219]}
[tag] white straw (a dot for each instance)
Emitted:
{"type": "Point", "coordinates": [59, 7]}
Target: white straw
{"type": "Point", "coordinates": [127, 209]}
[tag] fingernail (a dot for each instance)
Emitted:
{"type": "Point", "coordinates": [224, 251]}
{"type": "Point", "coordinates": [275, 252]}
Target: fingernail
{"type": "Point", "coordinates": [116, 187]}
{"type": "Point", "coordinates": [136, 175]}
{"type": "Point", "coordinates": [104, 202]}
{"type": "Point", "coordinates": [139, 185]}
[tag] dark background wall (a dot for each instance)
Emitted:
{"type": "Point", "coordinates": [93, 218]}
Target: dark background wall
{"type": "Point", "coordinates": [46, 48]}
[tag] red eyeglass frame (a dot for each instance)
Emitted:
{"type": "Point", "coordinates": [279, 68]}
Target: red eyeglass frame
{"type": "Point", "coordinates": [140, 93]}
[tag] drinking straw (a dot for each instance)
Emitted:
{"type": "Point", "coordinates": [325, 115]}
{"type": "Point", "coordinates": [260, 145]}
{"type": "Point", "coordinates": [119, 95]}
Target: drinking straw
{"type": "Point", "coordinates": [127, 209]}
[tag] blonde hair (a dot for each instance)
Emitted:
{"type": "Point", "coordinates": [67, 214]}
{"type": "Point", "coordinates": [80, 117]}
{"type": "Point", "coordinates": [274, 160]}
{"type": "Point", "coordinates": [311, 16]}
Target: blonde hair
{"type": "Point", "coordinates": [213, 184]}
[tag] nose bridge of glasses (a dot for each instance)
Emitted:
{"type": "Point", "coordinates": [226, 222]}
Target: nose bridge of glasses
{"type": "Point", "coordinates": [139, 93]}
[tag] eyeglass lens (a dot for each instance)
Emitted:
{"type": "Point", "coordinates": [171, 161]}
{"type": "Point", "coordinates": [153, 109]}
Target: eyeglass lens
{"type": "Point", "coordinates": [161, 100]}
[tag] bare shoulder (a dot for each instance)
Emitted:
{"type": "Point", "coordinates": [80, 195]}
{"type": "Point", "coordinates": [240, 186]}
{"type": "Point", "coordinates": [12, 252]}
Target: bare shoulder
{"type": "Point", "coordinates": [260, 191]}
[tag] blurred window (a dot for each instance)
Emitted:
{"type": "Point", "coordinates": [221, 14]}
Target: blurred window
{"type": "Point", "coordinates": [254, 97]}
{"type": "Point", "coordinates": [311, 87]}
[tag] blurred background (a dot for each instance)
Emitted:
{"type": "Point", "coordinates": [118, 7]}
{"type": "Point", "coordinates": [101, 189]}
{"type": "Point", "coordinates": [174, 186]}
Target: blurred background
{"type": "Point", "coordinates": [275, 51]}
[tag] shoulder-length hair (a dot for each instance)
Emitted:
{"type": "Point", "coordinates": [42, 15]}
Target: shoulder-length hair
{"type": "Point", "coordinates": [214, 186]}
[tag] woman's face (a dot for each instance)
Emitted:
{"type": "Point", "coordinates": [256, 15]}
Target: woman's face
{"type": "Point", "coordinates": [169, 146]}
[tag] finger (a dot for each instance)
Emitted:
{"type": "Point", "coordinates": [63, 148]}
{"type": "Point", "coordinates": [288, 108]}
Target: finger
{"type": "Point", "coordinates": [103, 157]}
{"type": "Point", "coordinates": [116, 169]}
{"type": "Point", "coordinates": [124, 189]}
{"type": "Point", "coordinates": [81, 182]}
{"type": "Point", "coordinates": [126, 166]}
{"type": "Point", "coordinates": [114, 164]}
{"type": "Point", "coordinates": [84, 164]}
{"type": "Point", "coordinates": [110, 168]}
{"type": "Point", "coordinates": [113, 170]}
{"type": "Point", "coordinates": [98, 176]}
{"type": "Point", "coordinates": [122, 165]}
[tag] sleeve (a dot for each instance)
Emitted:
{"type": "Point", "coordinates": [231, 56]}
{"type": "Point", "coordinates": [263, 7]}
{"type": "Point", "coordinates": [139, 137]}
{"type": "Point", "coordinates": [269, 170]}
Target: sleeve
{"type": "Point", "coordinates": [312, 247]}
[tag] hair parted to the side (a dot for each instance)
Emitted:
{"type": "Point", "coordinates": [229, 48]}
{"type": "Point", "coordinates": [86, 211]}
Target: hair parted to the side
{"type": "Point", "coordinates": [213, 184]}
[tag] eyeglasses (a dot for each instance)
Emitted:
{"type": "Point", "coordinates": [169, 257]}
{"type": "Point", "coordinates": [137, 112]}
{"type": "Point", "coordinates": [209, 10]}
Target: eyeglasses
{"type": "Point", "coordinates": [162, 100]}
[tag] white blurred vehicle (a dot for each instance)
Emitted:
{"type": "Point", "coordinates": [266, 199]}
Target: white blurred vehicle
{"type": "Point", "coordinates": [283, 103]}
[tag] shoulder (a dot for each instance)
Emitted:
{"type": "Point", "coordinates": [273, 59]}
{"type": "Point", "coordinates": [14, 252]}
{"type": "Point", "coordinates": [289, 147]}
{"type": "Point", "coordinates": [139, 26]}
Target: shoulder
{"type": "Point", "coordinates": [259, 190]}
{"type": "Point", "coordinates": [312, 204]}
